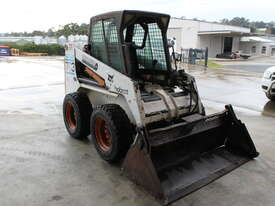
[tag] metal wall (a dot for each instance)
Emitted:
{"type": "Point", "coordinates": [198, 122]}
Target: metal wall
{"type": "Point", "coordinates": [214, 44]}
{"type": "Point", "coordinates": [246, 47]}
{"type": "Point", "coordinates": [190, 37]}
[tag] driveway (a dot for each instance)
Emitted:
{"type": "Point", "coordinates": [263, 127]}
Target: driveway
{"type": "Point", "coordinates": [258, 65]}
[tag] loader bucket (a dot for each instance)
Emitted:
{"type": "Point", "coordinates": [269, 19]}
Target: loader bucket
{"type": "Point", "coordinates": [172, 162]}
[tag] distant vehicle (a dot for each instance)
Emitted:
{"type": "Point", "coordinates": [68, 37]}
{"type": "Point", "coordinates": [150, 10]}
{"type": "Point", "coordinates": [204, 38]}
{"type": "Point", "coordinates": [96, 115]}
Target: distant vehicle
{"type": "Point", "coordinates": [5, 51]}
{"type": "Point", "coordinates": [233, 55]}
{"type": "Point", "coordinates": [268, 83]}
{"type": "Point", "coordinates": [242, 55]}
{"type": "Point", "coordinates": [228, 55]}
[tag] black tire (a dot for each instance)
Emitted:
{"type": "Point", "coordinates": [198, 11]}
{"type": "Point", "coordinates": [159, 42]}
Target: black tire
{"type": "Point", "coordinates": [77, 110]}
{"type": "Point", "coordinates": [269, 96]}
{"type": "Point", "coordinates": [113, 142]}
{"type": "Point", "coordinates": [203, 110]}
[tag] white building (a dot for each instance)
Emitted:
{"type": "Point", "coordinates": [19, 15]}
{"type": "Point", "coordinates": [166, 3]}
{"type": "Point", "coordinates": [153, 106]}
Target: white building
{"type": "Point", "coordinates": [15, 39]}
{"type": "Point", "coordinates": [199, 34]}
{"type": "Point", "coordinates": [258, 46]}
{"type": "Point", "coordinates": [78, 38]}
{"type": "Point", "coordinates": [35, 39]}
{"type": "Point", "coordinates": [62, 40]}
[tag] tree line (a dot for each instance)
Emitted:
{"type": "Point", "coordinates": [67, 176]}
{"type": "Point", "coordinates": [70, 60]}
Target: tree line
{"type": "Point", "coordinates": [50, 49]}
{"type": "Point", "coordinates": [253, 25]}
{"type": "Point", "coordinates": [82, 29]}
{"type": "Point", "coordinates": [66, 30]}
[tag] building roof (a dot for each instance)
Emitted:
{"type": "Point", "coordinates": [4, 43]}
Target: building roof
{"type": "Point", "coordinates": [209, 22]}
{"type": "Point", "coordinates": [255, 39]}
{"type": "Point", "coordinates": [227, 32]}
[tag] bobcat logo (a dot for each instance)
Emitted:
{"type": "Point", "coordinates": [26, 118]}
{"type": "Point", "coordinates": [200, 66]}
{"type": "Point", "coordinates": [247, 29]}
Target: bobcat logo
{"type": "Point", "coordinates": [110, 78]}
{"type": "Point", "coordinates": [121, 91]}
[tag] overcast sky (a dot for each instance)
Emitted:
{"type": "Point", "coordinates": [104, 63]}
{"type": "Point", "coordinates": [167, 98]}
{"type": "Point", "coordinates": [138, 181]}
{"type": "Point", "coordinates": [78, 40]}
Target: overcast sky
{"type": "Point", "coordinates": [29, 15]}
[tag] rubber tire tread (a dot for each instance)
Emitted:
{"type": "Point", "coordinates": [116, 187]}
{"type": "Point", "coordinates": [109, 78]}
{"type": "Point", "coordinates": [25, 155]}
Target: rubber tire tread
{"type": "Point", "coordinates": [83, 109]}
{"type": "Point", "coordinates": [120, 128]}
{"type": "Point", "coordinates": [272, 98]}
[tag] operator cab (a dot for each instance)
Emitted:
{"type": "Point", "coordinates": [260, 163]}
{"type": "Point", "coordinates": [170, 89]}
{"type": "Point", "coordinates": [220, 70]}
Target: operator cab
{"type": "Point", "coordinates": [138, 40]}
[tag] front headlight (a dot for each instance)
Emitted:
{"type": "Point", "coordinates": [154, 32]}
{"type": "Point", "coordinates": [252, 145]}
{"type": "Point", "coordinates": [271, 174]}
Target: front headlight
{"type": "Point", "coordinates": [267, 75]}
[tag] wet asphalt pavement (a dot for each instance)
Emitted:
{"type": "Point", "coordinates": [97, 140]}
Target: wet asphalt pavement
{"type": "Point", "coordinates": [252, 67]}
{"type": "Point", "coordinates": [259, 64]}
{"type": "Point", "coordinates": [41, 165]}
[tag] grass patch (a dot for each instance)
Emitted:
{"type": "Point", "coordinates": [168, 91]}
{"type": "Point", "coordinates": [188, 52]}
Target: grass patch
{"type": "Point", "coordinates": [211, 64]}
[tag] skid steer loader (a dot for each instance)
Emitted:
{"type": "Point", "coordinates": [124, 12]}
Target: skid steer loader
{"type": "Point", "coordinates": [122, 89]}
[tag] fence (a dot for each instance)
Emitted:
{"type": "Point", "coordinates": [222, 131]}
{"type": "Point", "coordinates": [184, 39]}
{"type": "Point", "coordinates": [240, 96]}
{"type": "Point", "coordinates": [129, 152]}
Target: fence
{"type": "Point", "coordinates": [193, 56]}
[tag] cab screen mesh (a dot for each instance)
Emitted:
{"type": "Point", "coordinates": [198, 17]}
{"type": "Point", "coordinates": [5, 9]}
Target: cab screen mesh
{"type": "Point", "coordinates": [152, 56]}
{"type": "Point", "coordinates": [112, 42]}
{"type": "Point", "coordinates": [98, 47]}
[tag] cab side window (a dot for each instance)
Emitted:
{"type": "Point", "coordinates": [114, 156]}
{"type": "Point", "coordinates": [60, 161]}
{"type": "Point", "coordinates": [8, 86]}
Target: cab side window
{"type": "Point", "coordinates": [105, 43]}
{"type": "Point", "coordinates": [98, 47]}
{"type": "Point", "coordinates": [113, 44]}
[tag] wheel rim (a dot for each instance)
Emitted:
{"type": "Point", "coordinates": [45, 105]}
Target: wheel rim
{"type": "Point", "coordinates": [102, 134]}
{"type": "Point", "coordinates": [70, 116]}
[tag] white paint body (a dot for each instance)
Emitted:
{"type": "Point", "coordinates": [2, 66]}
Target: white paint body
{"type": "Point", "coordinates": [123, 91]}
{"type": "Point", "coordinates": [268, 81]}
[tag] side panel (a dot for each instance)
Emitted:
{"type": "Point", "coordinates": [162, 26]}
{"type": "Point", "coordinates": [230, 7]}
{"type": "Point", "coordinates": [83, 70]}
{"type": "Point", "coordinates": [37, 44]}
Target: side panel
{"type": "Point", "coordinates": [97, 98]}
{"type": "Point", "coordinates": [116, 83]}
{"type": "Point", "coordinates": [71, 82]}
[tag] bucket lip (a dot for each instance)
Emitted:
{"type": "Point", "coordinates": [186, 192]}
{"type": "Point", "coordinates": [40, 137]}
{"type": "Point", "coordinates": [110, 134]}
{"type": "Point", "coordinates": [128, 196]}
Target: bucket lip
{"type": "Point", "coordinates": [178, 193]}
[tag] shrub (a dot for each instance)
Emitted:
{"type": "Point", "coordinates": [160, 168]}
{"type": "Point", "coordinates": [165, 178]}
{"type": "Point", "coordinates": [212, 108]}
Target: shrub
{"type": "Point", "coordinates": [51, 49]}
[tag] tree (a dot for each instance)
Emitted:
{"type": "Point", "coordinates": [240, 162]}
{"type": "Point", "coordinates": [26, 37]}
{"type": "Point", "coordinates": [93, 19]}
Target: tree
{"type": "Point", "coordinates": [225, 21]}
{"type": "Point", "coordinates": [36, 33]}
{"type": "Point", "coordinates": [73, 29]}
{"type": "Point", "coordinates": [50, 32]}
{"type": "Point", "coordinates": [253, 25]}
{"type": "Point", "coordinates": [240, 21]}
{"type": "Point", "coordinates": [84, 29]}
{"type": "Point", "coordinates": [236, 21]}
{"type": "Point", "coordinates": [259, 24]}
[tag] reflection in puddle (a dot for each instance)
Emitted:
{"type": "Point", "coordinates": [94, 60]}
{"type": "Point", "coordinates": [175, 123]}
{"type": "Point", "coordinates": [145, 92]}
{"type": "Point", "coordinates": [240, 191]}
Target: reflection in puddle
{"type": "Point", "coordinates": [269, 109]}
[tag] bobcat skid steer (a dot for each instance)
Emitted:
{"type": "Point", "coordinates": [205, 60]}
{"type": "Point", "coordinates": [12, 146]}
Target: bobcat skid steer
{"type": "Point", "coordinates": [122, 89]}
